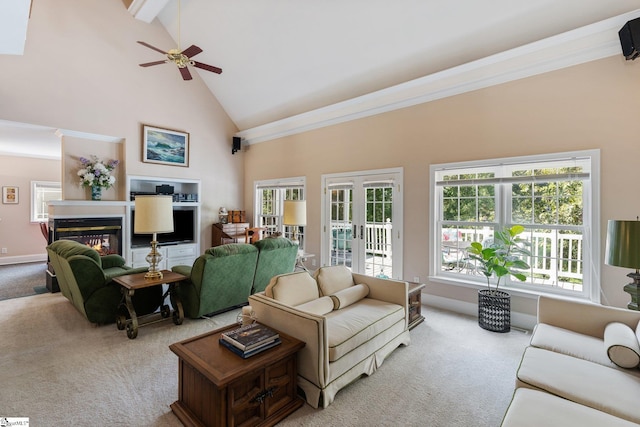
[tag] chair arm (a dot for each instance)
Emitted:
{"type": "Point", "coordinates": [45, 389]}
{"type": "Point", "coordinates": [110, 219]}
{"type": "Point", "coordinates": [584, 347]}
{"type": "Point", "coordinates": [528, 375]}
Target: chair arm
{"type": "Point", "coordinates": [112, 260]}
{"type": "Point", "coordinates": [313, 359]}
{"type": "Point", "coordinates": [88, 274]}
{"type": "Point", "coordinates": [581, 316]}
{"type": "Point", "coordinates": [394, 291]}
{"type": "Point", "coordinates": [185, 270]}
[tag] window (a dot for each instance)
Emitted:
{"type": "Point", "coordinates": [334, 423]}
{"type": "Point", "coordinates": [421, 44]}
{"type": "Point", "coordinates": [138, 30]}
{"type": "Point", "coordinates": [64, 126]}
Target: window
{"type": "Point", "coordinates": [554, 197]}
{"type": "Point", "coordinates": [41, 193]}
{"type": "Point", "coordinates": [269, 205]}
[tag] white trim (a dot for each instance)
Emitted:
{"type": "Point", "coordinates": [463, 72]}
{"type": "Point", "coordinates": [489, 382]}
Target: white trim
{"type": "Point", "coordinates": [518, 320]}
{"type": "Point", "coordinates": [591, 212]}
{"type": "Point", "coordinates": [585, 44]}
{"type": "Point", "coordinates": [23, 259]}
{"type": "Point", "coordinates": [359, 178]}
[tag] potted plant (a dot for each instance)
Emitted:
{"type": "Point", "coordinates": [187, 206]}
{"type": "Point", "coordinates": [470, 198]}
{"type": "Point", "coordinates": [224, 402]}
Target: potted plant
{"type": "Point", "coordinates": [499, 257]}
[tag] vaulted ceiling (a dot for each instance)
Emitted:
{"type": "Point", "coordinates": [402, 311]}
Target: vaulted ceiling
{"type": "Point", "coordinates": [289, 58]}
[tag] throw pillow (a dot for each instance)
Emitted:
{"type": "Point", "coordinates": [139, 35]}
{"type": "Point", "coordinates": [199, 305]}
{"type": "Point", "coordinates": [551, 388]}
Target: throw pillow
{"type": "Point", "coordinates": [320, 306]}
{"type": "Point", "coordinates": [292, 288]}
{"type": "Point", "coordinates": [621, 344]}
{"type": "Point", "coordinates": [348, 296]}
{"type": "Point", "coordinates": [333, 278]}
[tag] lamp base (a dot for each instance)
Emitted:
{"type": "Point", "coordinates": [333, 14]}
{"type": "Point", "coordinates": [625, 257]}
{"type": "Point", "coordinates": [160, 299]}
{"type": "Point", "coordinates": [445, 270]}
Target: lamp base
{"type": "Point", "coordinates": [633, 289]}
{"type": "Point", "coordinates": [153, 275]}
{"type": "Point", "coordinates": [153, 258]}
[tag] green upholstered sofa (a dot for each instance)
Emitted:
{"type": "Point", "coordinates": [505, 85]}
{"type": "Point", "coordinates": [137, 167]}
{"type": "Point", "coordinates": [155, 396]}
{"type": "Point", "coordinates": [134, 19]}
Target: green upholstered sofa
{"type": "Point", "coordinates": [224, 276]}
{"type": "Point", "coordinates": [85, 279]}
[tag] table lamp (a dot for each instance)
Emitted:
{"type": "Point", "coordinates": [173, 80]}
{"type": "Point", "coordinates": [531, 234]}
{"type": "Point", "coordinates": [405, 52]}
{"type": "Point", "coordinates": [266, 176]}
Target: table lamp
{"type": "Point", "coordinates": [154, 214]}
{"type": "Point", "coordinates": [295, 214]}
{"type": "Point", "coordinates": [623, 250]}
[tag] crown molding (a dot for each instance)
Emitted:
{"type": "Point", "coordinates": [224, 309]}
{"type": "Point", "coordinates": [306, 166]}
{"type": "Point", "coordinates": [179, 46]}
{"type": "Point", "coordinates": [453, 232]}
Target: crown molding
{"type": "Point", "coordinates": [584, 44]}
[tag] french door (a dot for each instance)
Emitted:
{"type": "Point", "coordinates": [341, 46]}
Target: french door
{"type": "Point", "coordinates": [362, 222]}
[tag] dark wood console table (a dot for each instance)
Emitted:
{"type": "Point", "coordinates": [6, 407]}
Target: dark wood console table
{"type": "Point", "coordinates": [218, 388]}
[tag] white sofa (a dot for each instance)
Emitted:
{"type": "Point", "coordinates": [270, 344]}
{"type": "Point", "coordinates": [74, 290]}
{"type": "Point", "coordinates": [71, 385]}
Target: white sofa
{"type": "Point", "coordinates": [580, 369]}
{"type": "Point", "coordinates": [349, 323]}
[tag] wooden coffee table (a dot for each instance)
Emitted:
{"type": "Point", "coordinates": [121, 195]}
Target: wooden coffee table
{"type": "Point", "coordinates": [127, 317]}
{"type": "Point", "coordinates": [216, 387]}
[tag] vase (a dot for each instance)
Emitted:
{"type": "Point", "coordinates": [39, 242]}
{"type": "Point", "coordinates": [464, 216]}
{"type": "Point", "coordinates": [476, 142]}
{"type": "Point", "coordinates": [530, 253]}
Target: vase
{"type": "Point", "coordinates": [96, 192]}
{"type": "Point", "coordinates": [494, 310]}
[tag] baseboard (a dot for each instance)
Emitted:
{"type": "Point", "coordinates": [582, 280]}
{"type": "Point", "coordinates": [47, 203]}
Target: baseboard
{"type": "Point", "coordinates": [518, 320]}
{"type": "Point", "coordinates": [23, 259]}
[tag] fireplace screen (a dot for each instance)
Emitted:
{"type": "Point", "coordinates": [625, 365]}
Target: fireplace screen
{"type": "Point", "coordinates": [102, 234]}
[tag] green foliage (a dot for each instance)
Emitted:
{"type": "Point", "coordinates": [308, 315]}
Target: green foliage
{"type": "Point", "coordinates": [503, 256]}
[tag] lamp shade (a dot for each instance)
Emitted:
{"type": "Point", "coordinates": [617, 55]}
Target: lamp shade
{"type": "Point", "coordinates": [154, 214]}
{"type": "Point", "coordinates": [295, 212]}
{"type": "Point", "coordinates": [623, 244]}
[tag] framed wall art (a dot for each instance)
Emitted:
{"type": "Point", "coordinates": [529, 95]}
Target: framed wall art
{"type": "Point", "coordinates": [165, 146]}
{"type": "Point", "coordinates": [10, 195]}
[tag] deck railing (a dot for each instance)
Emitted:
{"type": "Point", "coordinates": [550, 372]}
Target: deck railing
{"type": "Point", "coordinates": [555, 256]}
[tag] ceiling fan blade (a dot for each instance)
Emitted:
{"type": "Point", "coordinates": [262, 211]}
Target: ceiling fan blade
{"type": "Point", "coordinates": [192, 50]}
{"type": "Point", "coordinates": [207, 67]}
{"type": "Point", "coordinates": [152, 47]}
{"type": "Point", "coordinates": [186, 75]}
{"type": "Point", "coordinates": [149, 64]}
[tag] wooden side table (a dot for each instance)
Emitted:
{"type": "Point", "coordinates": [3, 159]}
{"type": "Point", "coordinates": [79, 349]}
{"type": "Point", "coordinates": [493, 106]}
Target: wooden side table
{"type": "Point", "coordinates": [127, 317]}
{"type": "Point", "coordinates": [216, 387]}
{"type": "Point", "coordinates": [415, 304]}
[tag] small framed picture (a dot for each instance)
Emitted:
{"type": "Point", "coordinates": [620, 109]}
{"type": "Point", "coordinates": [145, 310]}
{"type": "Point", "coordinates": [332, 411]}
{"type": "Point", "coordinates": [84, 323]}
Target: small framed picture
{"type": "Point", "coordinates": [10, 195]}
{"type": "Point", "coordinates": [165, 146]}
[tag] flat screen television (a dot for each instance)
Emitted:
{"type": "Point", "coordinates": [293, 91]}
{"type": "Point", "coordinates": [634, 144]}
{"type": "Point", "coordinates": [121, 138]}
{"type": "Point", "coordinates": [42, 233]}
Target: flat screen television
{"type": "Point", "coordinates": [184, 229]}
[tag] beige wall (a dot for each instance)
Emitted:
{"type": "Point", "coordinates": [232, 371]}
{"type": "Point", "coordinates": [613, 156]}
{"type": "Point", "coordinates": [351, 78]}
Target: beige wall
{"type": "Point", "coordinates": [80, 72]}
{"type": "Point", "coordinates": [22, 238]}
{"type": "Point", "coordinates": [589, 106]}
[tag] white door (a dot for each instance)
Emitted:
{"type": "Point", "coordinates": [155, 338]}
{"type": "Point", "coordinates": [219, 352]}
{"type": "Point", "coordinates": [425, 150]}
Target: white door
{"type": "Point", "coordinates": [362, 222]}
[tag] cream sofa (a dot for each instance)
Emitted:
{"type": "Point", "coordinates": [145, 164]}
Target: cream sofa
{"type": "Point", "coordinates": [580, 369]}
{"type": "Point", "coordinates": [349, 322]}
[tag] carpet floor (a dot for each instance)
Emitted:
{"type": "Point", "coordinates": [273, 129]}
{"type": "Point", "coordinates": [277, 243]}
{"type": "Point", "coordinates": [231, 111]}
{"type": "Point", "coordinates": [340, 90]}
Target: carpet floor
{"type": "Point", "coordinates": [58, 369]}
{"type": "Point", "coordinates": [21, 280]}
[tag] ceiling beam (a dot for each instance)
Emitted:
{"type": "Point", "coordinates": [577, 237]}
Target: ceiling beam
{"type": "Point", "coordinates": [145, 10]}
{"type": "Point", "coordinates": [588, 43]}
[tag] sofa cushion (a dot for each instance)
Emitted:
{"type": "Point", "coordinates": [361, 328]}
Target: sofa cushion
{"type": "Point", "coordinates": [622, 345]}
{"type": "Point", "coordinates": [319, 306]}
{"type": "Point", "coordinates": [292, 288]}
{"type": "Point", "coordinates": [332, 279]}
{"type": "Point", "coordinates": [348, 296]}
{"type": "Point", "coordinates": [356, 324]}
{"type": "Point", "coordinates": [532, 408]}
{"type": "Point", "coordinates": [609, 390]}
{"type": "Point", "coordinates": [570, 343]}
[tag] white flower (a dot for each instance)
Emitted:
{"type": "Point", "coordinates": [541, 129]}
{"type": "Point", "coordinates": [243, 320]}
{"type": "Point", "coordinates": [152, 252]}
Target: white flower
{"type": "Point", "coordinates": [95, 172]}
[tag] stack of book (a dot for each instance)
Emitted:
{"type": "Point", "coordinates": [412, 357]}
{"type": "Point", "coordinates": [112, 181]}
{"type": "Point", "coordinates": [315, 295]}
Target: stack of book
{"type": "Point", "coordinates": [250, 339]}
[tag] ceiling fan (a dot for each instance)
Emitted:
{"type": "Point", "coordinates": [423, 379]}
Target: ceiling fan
{"type": "Point", "coordinates": [181, 59]}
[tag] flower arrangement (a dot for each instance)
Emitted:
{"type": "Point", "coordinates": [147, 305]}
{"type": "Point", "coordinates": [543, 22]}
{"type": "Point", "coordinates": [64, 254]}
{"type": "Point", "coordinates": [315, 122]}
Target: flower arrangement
{"type": "Point", "coordinates": [96, 173]}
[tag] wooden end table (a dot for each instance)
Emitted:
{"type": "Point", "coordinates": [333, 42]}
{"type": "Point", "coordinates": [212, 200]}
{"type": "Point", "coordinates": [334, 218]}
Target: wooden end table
{"type": "Point", "coordinates": [127, 317]}
{"type": "Point", "coordinates": [218, 388]}
{"type": "Point", "coordinates": [415, 304]}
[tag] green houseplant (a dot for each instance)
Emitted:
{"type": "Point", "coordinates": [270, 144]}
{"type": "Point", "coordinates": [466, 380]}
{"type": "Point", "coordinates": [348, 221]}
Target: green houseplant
{"type": "Point", "coordinates": [502, 256]}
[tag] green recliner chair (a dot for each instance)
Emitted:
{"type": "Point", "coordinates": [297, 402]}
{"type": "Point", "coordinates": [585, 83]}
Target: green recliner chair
{"type": "Point", "coordinates": [85, 279]}
{"type": "Point", "coordinates": [275, 256]}
{"type": "Point", "coordinates": [219, 280]}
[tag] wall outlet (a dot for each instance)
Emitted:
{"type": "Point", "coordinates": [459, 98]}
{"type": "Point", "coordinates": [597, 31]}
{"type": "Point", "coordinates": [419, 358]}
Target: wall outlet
{"type": "Point", "coordinates": [4, 250]}
{"type": "Point", "coordinates": [416, 279]}
{"type": "Point", "coordinates": [313, 263]}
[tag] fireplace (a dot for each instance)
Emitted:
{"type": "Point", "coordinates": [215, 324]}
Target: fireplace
{"type": "Point", "coordinates": [102, 234]}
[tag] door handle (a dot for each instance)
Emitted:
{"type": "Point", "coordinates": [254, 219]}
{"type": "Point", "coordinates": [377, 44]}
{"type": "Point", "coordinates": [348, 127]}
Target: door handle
{"type": "Point", "coordinates": [361, 232]}
{"type": "Point", "coordinates": [355, 232]}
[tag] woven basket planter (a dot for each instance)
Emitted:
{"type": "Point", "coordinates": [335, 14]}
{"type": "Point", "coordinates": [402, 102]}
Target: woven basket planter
{"type": "Point", "coordinates": [494, 310]}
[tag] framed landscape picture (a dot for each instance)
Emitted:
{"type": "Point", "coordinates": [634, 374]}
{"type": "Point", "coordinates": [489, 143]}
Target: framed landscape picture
{"type": "Point", "coordinates": [165, 146]}
{"type": "Point", "coordinates": [10, 195]}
